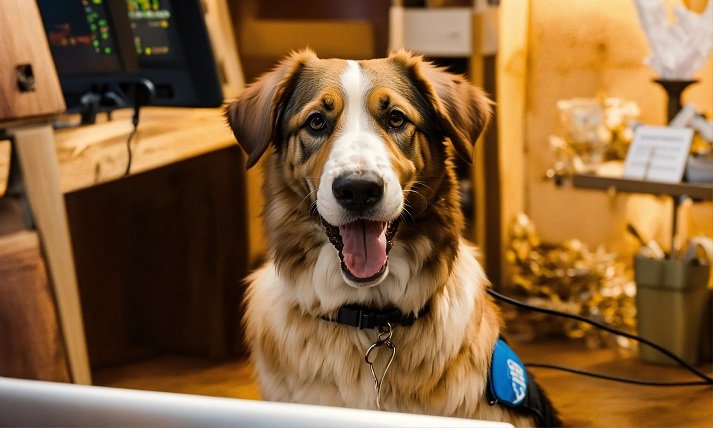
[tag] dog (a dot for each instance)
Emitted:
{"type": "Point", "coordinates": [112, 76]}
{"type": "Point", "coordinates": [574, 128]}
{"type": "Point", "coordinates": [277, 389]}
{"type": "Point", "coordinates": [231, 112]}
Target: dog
{"type": "Point", "coordinates": [370, 297]}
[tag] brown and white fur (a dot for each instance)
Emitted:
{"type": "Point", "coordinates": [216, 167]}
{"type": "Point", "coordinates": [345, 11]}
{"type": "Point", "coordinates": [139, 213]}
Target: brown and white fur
{"type": "Point", "coordinates": [398, 119]}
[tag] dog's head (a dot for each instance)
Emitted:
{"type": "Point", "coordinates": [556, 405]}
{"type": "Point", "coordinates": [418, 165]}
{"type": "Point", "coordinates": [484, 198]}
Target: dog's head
{"type": "Point", "coordinates": [367, 143]}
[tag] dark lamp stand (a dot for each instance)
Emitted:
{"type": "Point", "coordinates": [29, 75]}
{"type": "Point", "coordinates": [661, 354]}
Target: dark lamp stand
{"type": "Point", "coordinates": [674, 89]}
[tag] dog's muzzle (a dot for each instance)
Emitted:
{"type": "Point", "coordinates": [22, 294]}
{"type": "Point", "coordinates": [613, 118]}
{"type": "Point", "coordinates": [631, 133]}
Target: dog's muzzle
{"type": "Point", "coordinates": [363, 244]}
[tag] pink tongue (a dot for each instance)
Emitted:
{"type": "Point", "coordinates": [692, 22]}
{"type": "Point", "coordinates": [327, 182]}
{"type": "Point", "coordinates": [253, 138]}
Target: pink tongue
{"type": "Point", "coordinates": [364, 247]}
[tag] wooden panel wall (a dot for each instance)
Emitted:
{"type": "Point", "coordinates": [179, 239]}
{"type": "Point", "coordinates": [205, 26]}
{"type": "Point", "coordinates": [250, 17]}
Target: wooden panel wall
{"type": "Point", "coordinates": [31, 345]}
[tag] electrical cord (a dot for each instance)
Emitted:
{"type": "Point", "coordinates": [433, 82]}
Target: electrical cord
{"type": "Point", "coordinates": [135, 123]}
{"type": "Point", "coordinates": [707, 380]}
{"type": "Point", "coordinates": [615, 378]}
{"type": "Point", "coordinates": [142, 92]}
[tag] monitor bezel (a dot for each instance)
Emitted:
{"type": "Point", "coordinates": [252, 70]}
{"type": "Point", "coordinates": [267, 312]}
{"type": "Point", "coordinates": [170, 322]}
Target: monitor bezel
{"type": "Point", "coordinates": [194, 82]}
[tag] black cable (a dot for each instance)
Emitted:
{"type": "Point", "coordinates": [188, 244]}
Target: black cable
{"type": "Point", "coordinates": [135, 123]}
{"type": "Point", "coordinates": [615, 378]}
{"type": "Point", "coordinates": [707, 379]}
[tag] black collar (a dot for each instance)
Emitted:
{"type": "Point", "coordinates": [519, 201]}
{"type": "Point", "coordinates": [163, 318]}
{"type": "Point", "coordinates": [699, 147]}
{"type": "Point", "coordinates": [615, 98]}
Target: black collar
{"type": "Point", "coordinates": [363, 317]}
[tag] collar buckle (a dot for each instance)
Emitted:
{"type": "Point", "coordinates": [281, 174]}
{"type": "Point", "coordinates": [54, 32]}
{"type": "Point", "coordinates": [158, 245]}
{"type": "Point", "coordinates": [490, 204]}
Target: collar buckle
{"type": "Point", "coordinates": [356, 317]}
{"type": "Point", "coordinates": [366, 318]}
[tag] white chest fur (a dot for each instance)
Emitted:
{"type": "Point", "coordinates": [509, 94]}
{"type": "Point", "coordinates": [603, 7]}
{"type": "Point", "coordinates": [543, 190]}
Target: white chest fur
{"type": "Point", "coordinates": [438, 368]}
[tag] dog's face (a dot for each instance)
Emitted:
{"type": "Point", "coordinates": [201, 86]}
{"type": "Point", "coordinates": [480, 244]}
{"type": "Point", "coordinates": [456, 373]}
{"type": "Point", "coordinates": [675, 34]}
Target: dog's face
{"type": "Point", "coordinates": [365, 142]}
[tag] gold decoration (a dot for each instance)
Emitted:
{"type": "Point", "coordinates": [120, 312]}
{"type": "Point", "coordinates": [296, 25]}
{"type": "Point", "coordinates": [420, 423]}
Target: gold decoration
{"type": "Point", "coordinates": [569, 277]}
{"type": "Point", "coordinates": [595, 130]}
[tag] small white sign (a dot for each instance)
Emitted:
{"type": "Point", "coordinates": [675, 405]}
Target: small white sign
{"type": "Point", "coordinates": [658, 154]}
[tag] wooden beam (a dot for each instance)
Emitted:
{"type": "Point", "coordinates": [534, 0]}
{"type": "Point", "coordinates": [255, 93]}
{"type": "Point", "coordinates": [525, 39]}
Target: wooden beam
{"type": "Point", "coordinates": [511, 83]}
{"type": "Point", "coordinates": [4, 166]}
{"type": "Point", "coordinates": [225, 48]}
{"type": "Point", "coordinates": [485, 170]}
{"type": "Point", "coordinates": [38, 160]}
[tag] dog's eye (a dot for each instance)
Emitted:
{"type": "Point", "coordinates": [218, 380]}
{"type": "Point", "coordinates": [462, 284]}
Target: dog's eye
{"type": "Point", "coordinates": [396, 119]}
{"type": "Point", "coordinates": [316, 122]}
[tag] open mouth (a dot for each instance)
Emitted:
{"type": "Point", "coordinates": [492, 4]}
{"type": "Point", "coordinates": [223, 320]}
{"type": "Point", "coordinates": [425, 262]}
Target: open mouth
{"type": "Point", "coordinates": [363, 247]}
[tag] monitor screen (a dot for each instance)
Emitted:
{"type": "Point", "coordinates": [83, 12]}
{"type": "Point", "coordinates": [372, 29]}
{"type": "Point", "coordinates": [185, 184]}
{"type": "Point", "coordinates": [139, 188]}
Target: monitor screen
{"type": "Point", "coordinates": [80, 36]}
{"type": "Point", "coordinates": [154, 29]}
{"type": "Point", "coordinates": [102, 47]}
{"type": "Point", "coordinates": [166, 34]}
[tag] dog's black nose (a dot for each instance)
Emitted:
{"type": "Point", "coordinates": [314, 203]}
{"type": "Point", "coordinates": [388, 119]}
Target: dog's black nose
{"type": "Point", "coordinates": [358, 191]}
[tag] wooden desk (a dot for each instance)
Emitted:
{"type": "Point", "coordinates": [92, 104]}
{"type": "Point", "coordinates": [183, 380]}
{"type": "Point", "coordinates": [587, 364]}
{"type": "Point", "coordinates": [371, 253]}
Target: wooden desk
{"type": "Point", "coordinates": [94, 156]}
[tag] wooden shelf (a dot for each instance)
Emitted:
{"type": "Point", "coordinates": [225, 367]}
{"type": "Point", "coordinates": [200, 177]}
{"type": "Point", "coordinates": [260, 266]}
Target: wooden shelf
{"type": "Point", "coordinates": [699, 192]}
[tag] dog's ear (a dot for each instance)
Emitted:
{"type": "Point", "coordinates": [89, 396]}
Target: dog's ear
{"type": "Point", "coordinates": [463, 110]}
{"type": "Point", "coordinates": [255, 115]}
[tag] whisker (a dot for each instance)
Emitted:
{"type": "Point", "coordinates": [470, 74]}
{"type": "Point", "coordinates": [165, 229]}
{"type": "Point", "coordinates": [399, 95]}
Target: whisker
{"type": "Point", "coordinates": [313, 209]}
{"type": "Point", "coordinates": [422, 183]}
{"type": "Point", "coordinates": [417, 193]}
{"type": "Point", "coordinates": [299, 206]}
{"type": "Point", "coordinates": [406, 211]}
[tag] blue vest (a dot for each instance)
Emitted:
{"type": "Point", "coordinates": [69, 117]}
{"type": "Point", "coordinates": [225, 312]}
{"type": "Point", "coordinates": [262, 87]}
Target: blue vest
{"type": "Point", "coordinates": [510, 384]}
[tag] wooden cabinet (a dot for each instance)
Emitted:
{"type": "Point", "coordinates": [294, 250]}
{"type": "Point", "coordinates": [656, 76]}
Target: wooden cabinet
{"type": "Point", "coordinates": [160, 254]}
{"type": "Point", "coordinates": [160, 259]}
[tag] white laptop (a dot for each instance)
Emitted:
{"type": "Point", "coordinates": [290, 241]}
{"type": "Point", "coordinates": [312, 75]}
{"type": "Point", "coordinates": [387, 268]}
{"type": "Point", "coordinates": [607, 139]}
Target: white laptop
{"type": "Point", "coordinates": [48, 404]}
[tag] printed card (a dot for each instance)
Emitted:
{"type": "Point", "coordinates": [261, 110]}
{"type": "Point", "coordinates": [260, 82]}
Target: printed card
{"type": "Point", "coordinates": [658, 154]}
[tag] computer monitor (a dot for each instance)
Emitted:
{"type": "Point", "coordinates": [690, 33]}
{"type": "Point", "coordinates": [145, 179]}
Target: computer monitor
{"type": "Point", "coordinates": [101, 48]}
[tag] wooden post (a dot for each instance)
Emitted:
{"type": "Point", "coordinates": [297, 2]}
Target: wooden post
{"type": "Point", "coordinates": [225, 47]}
{"type": "Point", "coordinates": [511, 121]}
{"type": "Point", "coordinates": [38, 160]}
